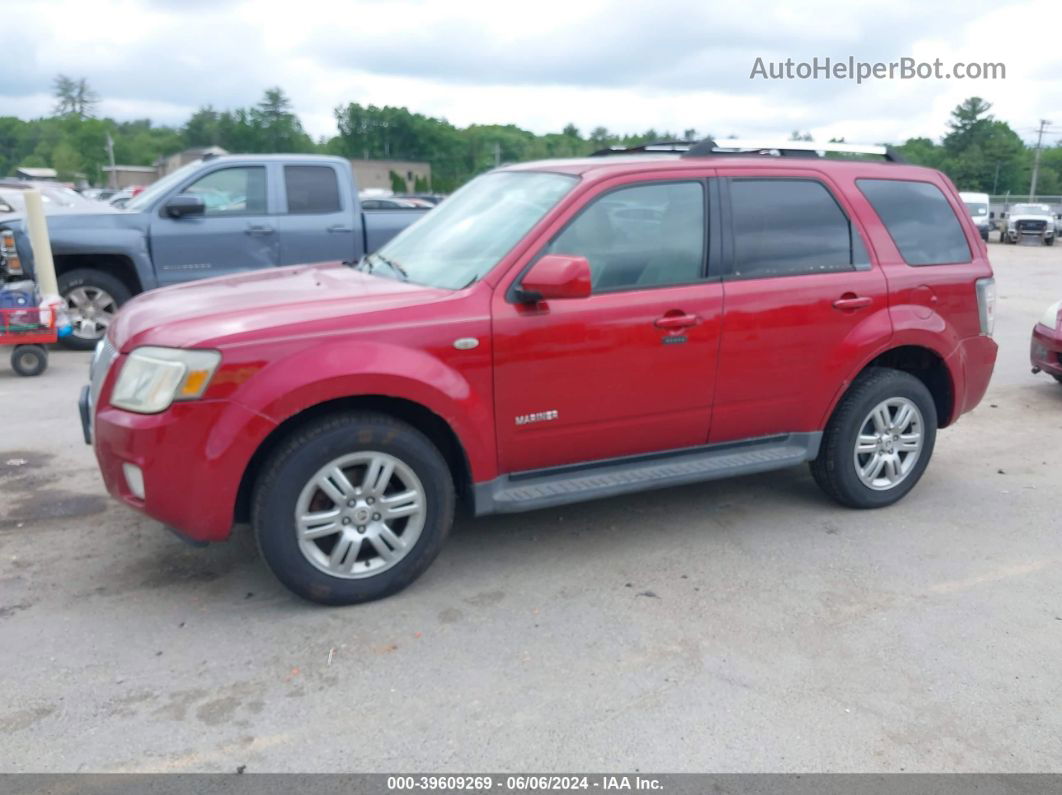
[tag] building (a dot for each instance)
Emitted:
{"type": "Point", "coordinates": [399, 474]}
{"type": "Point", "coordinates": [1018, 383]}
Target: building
{"type": "Point", "coordinates": [167, 165]}
{"type": "Point", "coordinates": [129, 176]}
{"type": "Point", "coordinates": [30, 173]}
{"type": "Point", "coordinates": [376, 174]}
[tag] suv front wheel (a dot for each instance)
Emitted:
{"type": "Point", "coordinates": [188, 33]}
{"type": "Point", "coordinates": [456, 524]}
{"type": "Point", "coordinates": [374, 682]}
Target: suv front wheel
{"type": "Point", "coordinates": [878, 441]}
{"type": "Point", "coordinates": [352, 507]}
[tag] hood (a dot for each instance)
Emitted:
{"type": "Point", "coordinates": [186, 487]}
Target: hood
{"type": "Point", "coordinates": [262, 305]}
{"type": "Point", "coordinates": [1050, 219]}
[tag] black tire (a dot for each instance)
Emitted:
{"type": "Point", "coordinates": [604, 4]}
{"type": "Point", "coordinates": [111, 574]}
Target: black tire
{"type": "Point", "coordinates": [835, 469]}
{"type": "Point", "coordinates": [93, 280]}
{"type": "Point", "coordinates": [1050, 241]}
{"type": "Point", "coordinates": [293, 465]}
{"type": "Point", "coordinates": [29, 360]}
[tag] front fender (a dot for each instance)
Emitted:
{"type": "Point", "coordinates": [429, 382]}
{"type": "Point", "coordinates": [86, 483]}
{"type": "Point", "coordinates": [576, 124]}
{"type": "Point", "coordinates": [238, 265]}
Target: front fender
{"type": "Point", "coordinates": [302, 377]}
{"type": "Point", "coordinates": [115, 234]}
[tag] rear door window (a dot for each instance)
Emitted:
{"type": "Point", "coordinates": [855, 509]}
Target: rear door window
{"type": "Point", "coordinates": [311, 189]}
{"type": "Point", "coordinates": [920, 220]}
{"type": "Point", "coordinates": [789, 227]}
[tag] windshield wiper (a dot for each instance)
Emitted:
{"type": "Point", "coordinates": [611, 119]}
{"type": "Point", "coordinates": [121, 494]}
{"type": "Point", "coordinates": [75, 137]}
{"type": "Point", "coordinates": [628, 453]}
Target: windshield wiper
{"type": "Point", "coordinates": [394, 266]}
{"type": "Point", "coordinates": [368, 264]}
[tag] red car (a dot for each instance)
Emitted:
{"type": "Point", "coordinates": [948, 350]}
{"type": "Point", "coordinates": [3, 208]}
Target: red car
{"type": "Point", "coordinates": [1046, 347]}
{"type": "Point", "coordinates": [554, 332]}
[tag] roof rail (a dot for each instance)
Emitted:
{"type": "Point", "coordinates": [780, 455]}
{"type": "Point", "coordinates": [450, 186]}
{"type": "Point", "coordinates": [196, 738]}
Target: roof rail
{"type": "Point", "coordinates": [752, 146]}
{"type": "Point", "coordinates": [663, 147]}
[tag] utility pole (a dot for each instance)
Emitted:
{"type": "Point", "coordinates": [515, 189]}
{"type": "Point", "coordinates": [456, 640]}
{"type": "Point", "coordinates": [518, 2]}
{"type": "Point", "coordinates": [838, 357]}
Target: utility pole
{"type": "Point", "coordinates": [1036, 158]}
{"type": "Point", "coordinates": [110, 156]}
{"type": "Point", "coordinates": [497, 154]}
{"type": "Point", "coordinates": [995, 179]}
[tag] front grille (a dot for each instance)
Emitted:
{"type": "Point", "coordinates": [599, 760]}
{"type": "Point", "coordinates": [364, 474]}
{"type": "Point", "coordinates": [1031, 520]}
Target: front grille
{"type": "Point", "coordinates": [1031, 226]}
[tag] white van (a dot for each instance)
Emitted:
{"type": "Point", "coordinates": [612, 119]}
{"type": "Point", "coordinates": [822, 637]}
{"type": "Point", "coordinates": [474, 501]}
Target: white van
{"type": "Point", "coordinates": [977, 204]}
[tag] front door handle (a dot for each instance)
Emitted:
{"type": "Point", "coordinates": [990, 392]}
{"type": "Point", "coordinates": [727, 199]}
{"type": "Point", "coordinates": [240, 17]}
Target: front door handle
{"type": "Point", "coordinates": [676, 321]}
{"type": "Point", "coordinates": [258, 229]}
{"type": "Point", "coordinates": [851, 301]}
{"type": "Point", "coordinates": [339, 228]}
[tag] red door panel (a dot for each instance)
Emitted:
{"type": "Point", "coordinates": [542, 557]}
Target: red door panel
{"type": "Point", "coordinates": [804, 301]}
{"type": "Point", "coordinates": [599, 377]}
{"type": "Point", "coordinates": [786, 349]}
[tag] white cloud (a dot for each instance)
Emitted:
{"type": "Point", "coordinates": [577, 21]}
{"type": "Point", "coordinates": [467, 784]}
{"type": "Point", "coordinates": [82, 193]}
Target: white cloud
{"type": "Point", "coordinates": [627, 66]}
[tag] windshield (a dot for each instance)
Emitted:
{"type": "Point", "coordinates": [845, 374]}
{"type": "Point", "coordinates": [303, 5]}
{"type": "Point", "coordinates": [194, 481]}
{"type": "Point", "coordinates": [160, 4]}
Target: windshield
{"type": "Point", "coordinates": [977, 208]}
{"type": "Point", "coordinates": [464, 237]}
{"type": "Point", "coordinates": [147, 197]}
{"type": "Point", "coordinates": [1030, 209]}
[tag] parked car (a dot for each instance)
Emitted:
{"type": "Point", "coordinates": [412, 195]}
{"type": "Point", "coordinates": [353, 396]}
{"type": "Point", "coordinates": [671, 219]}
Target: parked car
{"type": "Point", "coordinates": [121, 198]}
{"type": "Point", "coordinates": [516, 350]}
{"type": "Point", "coordinates": [57, 199]}
{"type": "Point", "coordinates": [1029, 220]}
{"type": "Point", "coordinates": [390, 203]}
{"type": "Point", "coordinates": [99, 194]}
{"type": "Point", "coordinates": [977, 205]}
{"type": "Point", "coordinates": [217, 216]}
{"type": "Point", "coordinates": [1046, 346]}
{"type": "Point", "coordinates": [430, 198]}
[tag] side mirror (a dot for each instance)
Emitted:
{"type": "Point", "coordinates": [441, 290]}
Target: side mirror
{"type": "Point", "coordinates": [556, 276]}
{"type": "Point", "coordinates": [185, 204]}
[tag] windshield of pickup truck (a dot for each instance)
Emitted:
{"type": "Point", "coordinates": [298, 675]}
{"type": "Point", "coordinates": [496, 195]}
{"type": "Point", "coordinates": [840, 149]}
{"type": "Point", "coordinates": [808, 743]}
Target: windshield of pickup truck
{"type": "Point", "coordinates": [147, 197]}
{"type": "Point", "coordinates": [464, 237]}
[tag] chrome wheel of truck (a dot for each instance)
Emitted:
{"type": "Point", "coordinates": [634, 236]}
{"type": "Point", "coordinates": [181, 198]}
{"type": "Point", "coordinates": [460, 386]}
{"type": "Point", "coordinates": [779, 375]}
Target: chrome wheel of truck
{"type": "Point", "coordinates": [351, 507]}
{"type": "Point", "coordinates": [360, 514]}
{"type": "Point", "coordinates": [92, 300]}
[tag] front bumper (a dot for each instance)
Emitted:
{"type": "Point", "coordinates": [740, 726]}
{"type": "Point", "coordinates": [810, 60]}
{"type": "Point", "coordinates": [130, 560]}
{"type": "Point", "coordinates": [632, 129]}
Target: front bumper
{"type": "Point", "coordinates": [193, 457]}
{"type": "Point", "coordinates": [1045, 350]}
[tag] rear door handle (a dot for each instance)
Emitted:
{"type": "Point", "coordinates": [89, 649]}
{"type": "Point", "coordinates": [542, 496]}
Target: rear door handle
{"type": "Point", "coordinates": [676, 321]}
{"type": "Point", "coordinates": [850, 301]}
{"type": "Point", "coordinates": [258, 229]}
{"type": "Point", "coordinates": [339, 228]}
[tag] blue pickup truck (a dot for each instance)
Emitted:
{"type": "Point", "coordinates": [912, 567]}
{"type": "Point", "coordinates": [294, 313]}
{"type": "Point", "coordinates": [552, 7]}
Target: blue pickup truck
{"type": "Point", "coordinates": [211, 217]}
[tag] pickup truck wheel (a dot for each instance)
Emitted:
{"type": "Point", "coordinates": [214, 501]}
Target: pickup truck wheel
{"type": "Point", "coordinates": [878, 441]}
{"type": "Point", "coordinates": [352, 508]}
{"type": "Point", "coordinates": [92, 300]}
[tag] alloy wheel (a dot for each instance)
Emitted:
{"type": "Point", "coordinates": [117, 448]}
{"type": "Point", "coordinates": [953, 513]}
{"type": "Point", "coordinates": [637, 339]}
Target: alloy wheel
{"type": "Point", "coordinates": [889, 443]}
{"type": "Point", "coordinates": [360, 514]}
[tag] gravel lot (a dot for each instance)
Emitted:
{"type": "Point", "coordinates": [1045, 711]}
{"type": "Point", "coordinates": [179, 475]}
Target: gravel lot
{"type": "Point", "coordinates": [743, 625]}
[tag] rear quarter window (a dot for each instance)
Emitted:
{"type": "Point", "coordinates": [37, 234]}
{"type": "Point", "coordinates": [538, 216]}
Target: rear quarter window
{"type": "Point", "coordinates": [920, 220]}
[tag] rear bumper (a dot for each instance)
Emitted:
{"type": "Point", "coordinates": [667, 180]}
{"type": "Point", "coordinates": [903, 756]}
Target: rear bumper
{"type": "Point", "coordinates": [973, 360]}
{"type": "Point", "coordinates": [193, 456]}
{"type": "Point", "coordinates": [1045, 350]}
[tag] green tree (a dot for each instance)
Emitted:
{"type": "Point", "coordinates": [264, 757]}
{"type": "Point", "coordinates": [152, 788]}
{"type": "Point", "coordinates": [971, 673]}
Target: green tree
{"type": "Point", "coordinates": [73, 97]}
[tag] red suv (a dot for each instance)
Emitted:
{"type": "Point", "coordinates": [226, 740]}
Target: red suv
{"type": "Point", "coordinates": [553, 332]}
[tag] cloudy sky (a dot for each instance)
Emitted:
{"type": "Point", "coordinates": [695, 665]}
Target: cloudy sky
{"type": "Point", "coordinates": [625, 64]}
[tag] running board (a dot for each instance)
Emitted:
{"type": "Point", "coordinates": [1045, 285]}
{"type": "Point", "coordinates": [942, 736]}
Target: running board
{"type": "Point", "coordinates": [545, 488]}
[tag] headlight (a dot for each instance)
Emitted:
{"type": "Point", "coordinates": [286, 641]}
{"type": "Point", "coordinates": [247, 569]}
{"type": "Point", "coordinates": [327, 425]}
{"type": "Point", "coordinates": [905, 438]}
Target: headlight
{"type": "Point", "coordinates": [1051, 316]}
{"type": "Point", "coordinates": [153, 378]}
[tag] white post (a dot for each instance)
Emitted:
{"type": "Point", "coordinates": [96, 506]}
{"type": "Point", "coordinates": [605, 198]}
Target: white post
{"type": "Point", "coordinates": [37, 227]}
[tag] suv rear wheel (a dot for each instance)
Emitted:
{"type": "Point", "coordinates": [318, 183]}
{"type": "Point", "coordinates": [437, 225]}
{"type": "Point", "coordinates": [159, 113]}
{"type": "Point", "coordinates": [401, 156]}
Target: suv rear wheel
{"type": "Point", "coordinates": [878, 441]}
{"type": "Point", "coordinates": [352, 508]}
